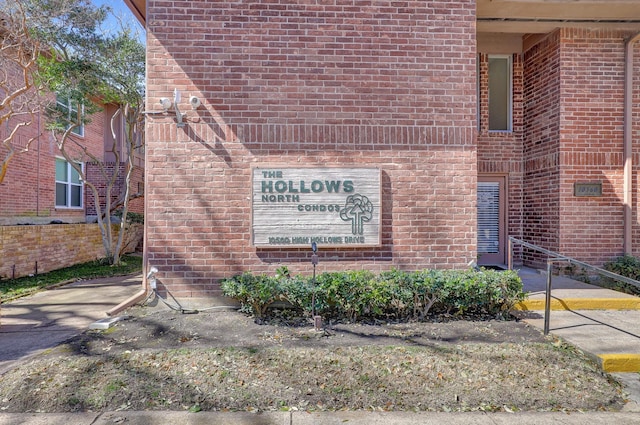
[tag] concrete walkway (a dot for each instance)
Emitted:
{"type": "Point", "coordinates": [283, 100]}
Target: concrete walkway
{"type": "Point", "coordinates": [37, 322]}
{"type": "Point", "coordinates": [324, 418]}
{"type": "Point", "coordinates": [601, 322]}
{"type": "Point", "coordinates": [604, 324]}
{"type": "Point", "coordinates": [42, 321]}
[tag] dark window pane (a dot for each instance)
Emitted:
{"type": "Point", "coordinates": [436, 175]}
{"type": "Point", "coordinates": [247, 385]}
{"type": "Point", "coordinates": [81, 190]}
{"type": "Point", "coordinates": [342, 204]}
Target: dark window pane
{"type": "Point", "coordinates": [499, 93]}
{"type": "Point", "coordinates": [76, 196]}
{"type": "Point", "coordinates": [61, 195]}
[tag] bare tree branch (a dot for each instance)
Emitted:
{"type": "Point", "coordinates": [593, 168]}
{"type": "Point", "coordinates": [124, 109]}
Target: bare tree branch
{"type": "Point", "coordinates": [20, 103]}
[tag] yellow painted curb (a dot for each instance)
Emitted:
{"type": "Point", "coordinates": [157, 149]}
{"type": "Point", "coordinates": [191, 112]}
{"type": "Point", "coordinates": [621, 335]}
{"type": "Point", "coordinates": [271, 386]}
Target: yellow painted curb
{"type": "Point", "coordinates": [620, 362]}
{"type": "Point", "coordinates": [581, 304]}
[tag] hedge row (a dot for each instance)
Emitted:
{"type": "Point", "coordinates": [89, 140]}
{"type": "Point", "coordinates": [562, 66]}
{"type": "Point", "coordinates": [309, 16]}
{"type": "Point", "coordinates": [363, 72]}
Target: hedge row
{"type": "Point", "coordinates": [391, 295]}
{"type": "Point", "coordinates": [627, 266]}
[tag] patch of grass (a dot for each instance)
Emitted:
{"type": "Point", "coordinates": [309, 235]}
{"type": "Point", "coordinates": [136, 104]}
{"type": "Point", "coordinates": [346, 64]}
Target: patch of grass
{"type": "Point", "coordinates": [114, 386]}
{"type": "Point", "coordinates": [14, 288]}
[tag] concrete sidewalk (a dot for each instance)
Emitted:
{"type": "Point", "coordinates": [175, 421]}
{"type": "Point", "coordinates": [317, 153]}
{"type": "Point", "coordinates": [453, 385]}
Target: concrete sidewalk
{"type": "Point", "coordinates": [601, 322]}
{"type": "Point", "coordinates": [37, 322]}
{"type": "Point", "coordinates": [604, 324]}
{"type": "Point", "coordinates": [323, 418]}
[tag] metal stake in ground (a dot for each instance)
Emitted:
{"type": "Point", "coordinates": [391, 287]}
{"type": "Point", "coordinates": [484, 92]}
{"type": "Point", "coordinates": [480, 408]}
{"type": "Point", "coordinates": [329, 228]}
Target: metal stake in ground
{"type": "Point", "coordinates": [317, 320]}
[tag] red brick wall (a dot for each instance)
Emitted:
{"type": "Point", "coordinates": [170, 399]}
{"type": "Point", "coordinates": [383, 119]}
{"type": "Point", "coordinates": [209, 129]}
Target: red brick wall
{"type": "Point", "coordinates": [27, 194]}
{"type": "Point", "coordinates": [635, 208]}
{"type": "Point", "coordinates": [574, 90]}
{"type": "Point", "coordinates": [591, 143]}
{"type": "Point", "coordinates": [541, 196]}
{"type": "Point", "coordinates": [500, 153]}
{"type": "Point", "coordinates": [97, 178]}
{"type": "Point", "coordinates": [382, 84]}
{"type": "Point", "coordinates": [28, 189]}
{"type": "Point", "coordinates": [137, 187]}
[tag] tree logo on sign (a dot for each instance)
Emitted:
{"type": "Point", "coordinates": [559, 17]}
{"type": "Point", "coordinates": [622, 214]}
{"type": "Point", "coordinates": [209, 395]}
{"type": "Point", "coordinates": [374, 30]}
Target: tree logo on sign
{"type": "Point", "coordinates": [357, 209]}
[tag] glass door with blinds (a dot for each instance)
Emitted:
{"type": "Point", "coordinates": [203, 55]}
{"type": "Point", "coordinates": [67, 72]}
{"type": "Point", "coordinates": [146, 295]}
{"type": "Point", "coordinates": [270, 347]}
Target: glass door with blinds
{"type": "Point", "coordinates": [491, 221]}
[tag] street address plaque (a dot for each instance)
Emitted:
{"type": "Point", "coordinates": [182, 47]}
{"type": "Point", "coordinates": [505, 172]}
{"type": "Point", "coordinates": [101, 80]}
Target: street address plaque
{"type": "Point", "coordinates": [338, 207]}
{"type": "Point", "coordinates": [587, 189]}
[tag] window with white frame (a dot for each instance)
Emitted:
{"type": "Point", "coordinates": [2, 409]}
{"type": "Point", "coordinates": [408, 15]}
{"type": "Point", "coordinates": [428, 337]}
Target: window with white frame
{"type": "Point", "coordinates": [69, 187]}
{"type": "Point", "coordinates": [500, 93]}
{"type": "Point", "coordinates": [70, 109]}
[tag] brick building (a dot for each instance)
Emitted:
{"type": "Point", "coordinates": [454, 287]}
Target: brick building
{"type": "Point", "coordinates": [40, 186]}
{"type": "Point", "coordinates": [463, 122]}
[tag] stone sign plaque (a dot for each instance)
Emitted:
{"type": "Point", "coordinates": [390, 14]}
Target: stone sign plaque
{"type": "Point", "coordinates": [587, 189]}
{"type": "Point", "coordinates": [338, 207]}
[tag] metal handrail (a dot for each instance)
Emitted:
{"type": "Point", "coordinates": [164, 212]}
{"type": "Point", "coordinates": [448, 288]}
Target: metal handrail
{"type": "Point", "coordinates": [573, 261]}
{"type": "Point", "coordinates": [554, 257]}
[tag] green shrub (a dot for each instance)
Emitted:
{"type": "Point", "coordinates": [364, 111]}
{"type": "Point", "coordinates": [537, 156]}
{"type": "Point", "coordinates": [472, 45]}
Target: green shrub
{"type": "Point", "coordinates": [478, 293]}
{"type": "Point", "coordinates": [254, 292]}
{"type": "Point", "coordinates": [298, 291]}
{"type": "Point", "coordinates": [391, 295]}
{"type": "Point", "coordinates": [396, 289]}
{"type": "Point", "coordinates": [345, 294]}
{"type": "Point", "coordinates": [411, 294]}
{"type": "Point", "coordinates": [627, 266]}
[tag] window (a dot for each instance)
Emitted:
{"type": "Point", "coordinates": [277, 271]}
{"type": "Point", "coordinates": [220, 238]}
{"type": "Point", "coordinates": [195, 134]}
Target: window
{"type": "Point", "coordinates": [69, 187]}
{"type": "Point", "coordinates": [71, 110]}
{"type": "Point", "coordinates": [500, 98]}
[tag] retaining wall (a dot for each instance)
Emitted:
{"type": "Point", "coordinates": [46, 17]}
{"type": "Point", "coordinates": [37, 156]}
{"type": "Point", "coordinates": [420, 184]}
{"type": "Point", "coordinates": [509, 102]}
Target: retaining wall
{"type": "Point", "coordinates": [25, 250]}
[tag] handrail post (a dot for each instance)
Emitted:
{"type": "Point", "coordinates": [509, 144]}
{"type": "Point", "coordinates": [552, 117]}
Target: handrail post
{"type": "Point", "coordinates": [555, 257]}
{"type": "Point", "coordinates": [547, 302]}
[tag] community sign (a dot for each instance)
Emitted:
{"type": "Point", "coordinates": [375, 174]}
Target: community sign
{"type": "Point", "coordinates": [294, 207]}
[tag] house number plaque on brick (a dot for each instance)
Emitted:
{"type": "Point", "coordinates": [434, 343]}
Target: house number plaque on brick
{"type": "Point", "coordinates": [587, 189]}
{"type": "Point", "coordinates": [293, 207]}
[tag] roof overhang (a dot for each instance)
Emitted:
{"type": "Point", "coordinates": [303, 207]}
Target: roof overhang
{"type": "Point", "coordinates": [512, 26]}
{"type": "Point", "coordinates": [543, 16]}
{"type": "Point", "coordinates": [139, 10]}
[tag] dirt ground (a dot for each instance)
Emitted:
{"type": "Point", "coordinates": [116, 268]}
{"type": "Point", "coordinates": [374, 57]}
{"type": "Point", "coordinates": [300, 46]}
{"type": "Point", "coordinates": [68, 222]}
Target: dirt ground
{"type": "Point", "coordinates": [222, 359]}
{"type": "Point", "coordinates": [149, 328]}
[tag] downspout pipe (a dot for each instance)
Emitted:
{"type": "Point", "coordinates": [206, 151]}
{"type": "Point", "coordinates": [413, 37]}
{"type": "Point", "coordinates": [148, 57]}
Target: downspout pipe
{"type": "Point", "coordinates": [134, 299]}
{"type": "Point", "coordinates": [628, 143]}
{"type": "Point", "coordinates": [146, 288]}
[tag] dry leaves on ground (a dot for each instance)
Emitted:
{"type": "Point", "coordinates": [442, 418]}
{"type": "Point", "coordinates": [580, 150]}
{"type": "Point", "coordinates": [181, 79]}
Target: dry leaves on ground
{"type": "Point", "coordinates": [161, 360]}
